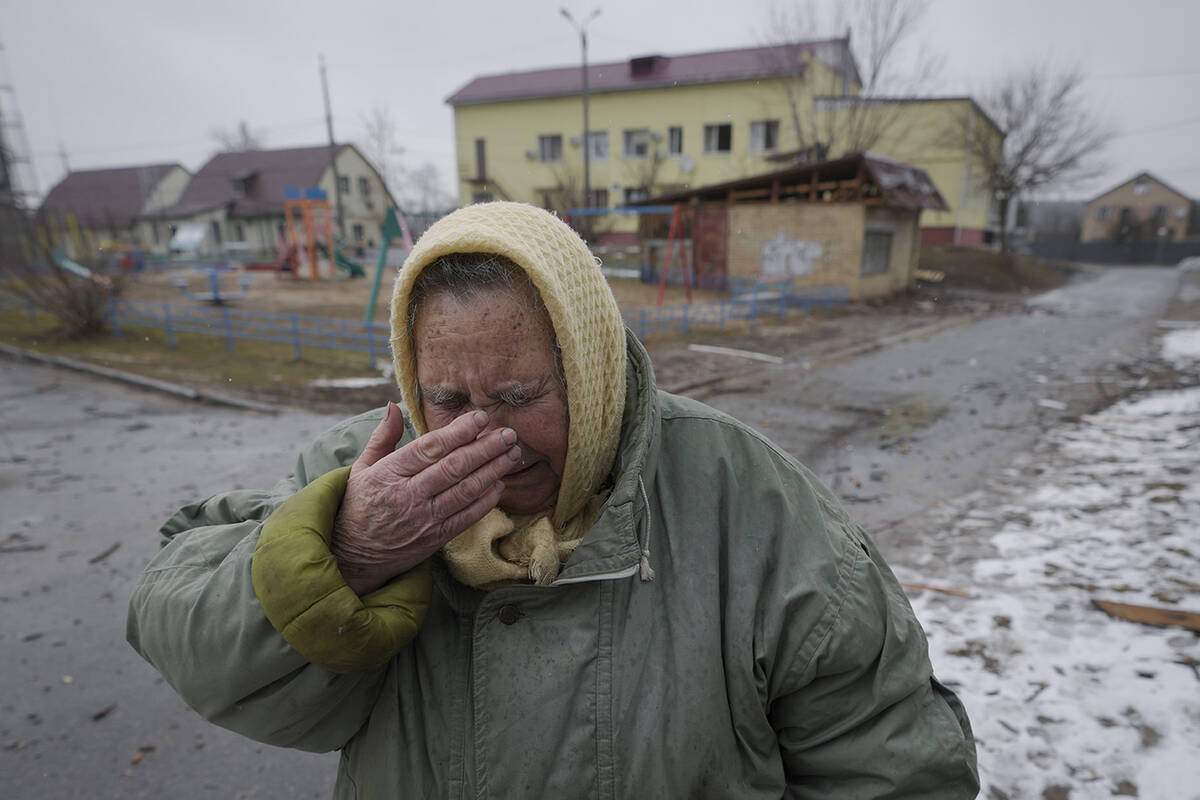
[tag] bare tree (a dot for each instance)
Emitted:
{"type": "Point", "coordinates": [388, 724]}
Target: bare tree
{"type": "Point", "coordinates": [380, 146]}
{"type": "Point", "coordinates": [238, 141]}
{"type": "Point", "coordinates": [415, 189]}
{"type": "Point", "coordinates": [76, 292]}
{"type": "Point", "coordinates": [857, 108]}
{"type": "Point", "coordinates": [422, 190]}
{"type": "Point", "coordinates": [1052, 137]}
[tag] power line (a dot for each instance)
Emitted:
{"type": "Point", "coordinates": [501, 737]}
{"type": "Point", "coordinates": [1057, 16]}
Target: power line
{"type": "Point", "coordinates": [1182, 123]}
{"type": "Point", "coordinates": [1116, 76]}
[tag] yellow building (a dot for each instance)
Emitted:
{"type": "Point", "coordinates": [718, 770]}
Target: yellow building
{"type": "Point", "coordinates": [666, 123]}
{"type": "Point", "coordinates": [1142, 208]}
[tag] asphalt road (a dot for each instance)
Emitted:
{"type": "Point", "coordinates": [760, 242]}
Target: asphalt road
{"type": "Point", "coordinates": [89, 469]}
{"type": "Point", "coordinates": [898, 430]}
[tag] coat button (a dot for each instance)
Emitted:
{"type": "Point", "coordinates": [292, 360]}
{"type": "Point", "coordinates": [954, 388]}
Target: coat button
{"type": "Point", "coordinates": [509, 614]}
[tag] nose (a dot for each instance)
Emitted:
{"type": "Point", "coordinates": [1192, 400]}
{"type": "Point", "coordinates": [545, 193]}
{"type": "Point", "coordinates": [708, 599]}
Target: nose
{"type": "Point", "coordinates": [497, 416]}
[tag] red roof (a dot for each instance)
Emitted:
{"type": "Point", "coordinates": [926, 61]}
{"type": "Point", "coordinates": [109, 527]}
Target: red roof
{"type": "Point", "coordinates": [265, 173]}
{"type": "Point", "coordinates": [105, 198]}
{"type": "Point", "coordinates": [650, 72]}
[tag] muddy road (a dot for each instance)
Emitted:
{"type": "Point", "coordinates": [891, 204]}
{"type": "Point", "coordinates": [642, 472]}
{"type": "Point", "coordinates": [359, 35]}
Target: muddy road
{"type": "Point", "coordinates": [89, 469]}
{"type": "Point", "coordinates": [900, 429]}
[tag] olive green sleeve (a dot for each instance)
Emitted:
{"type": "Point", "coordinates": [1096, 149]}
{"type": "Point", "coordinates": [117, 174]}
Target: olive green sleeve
{"type": "Point", "coordinates": [304, 595]}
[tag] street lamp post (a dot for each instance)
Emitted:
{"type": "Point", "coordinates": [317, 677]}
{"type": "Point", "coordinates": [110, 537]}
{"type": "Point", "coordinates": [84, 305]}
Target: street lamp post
{"type": "Point", "coordinates": [587, 150]}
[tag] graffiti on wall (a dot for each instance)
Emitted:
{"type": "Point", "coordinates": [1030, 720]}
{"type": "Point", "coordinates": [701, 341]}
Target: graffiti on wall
{"type": "Point", "coordinates": [783, 257]}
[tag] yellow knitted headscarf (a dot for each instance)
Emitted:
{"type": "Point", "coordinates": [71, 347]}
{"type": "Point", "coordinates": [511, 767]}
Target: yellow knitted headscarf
{"type": "Point", "coordinates": [590, 333]}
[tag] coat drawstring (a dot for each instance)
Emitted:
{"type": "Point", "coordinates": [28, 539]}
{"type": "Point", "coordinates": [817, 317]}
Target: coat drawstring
{"type": "Point", "coordinates": [647, 572]}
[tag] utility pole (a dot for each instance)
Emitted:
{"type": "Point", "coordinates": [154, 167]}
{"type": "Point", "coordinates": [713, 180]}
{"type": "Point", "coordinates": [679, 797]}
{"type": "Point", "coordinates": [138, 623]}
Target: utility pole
{"type": "Point", "coordinates": [62, 153]}
{"type": "Point", "coordinates": [337, 179]}
{"type": "Point", "coordinates": [587, 144]}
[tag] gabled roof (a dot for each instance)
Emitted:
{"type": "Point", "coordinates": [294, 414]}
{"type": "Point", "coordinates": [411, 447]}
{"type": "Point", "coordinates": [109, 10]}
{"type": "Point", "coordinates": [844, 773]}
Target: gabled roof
{"type": "Point", "coordinates": [900, 185]}
{"type": "Point", "coordinates": [653, 71]}
{"type": "Point", "coordinates": [264, 173]}
{"type": "Point", "coordinates": [1143, 174]}
{"type": "Point", "coordinates": [105, 198]}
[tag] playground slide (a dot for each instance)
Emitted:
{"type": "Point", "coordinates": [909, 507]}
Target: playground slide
{"type": "Point", "coordinates": [349, 267]}
{"type": "Point", "coordinates": [62, 262]}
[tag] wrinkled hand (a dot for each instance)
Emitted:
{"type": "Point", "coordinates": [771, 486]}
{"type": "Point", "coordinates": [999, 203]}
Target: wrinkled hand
{"type": "Point", "coordinates": [402, 505]}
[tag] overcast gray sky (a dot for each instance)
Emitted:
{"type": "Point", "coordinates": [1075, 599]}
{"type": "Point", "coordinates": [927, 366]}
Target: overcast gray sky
{"type": "Point", "coordinates": [139, 81]}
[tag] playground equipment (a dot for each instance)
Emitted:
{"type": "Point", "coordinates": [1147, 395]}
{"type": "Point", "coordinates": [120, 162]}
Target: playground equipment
{"type": "Point", "coordinates": [214, 295]}
{"type": "Point", "coordinates": [62, 262]}
{"type": "Point", "coordinates": [676, 231]}
{"type": "Point", "coordinates": [394, 227]}
{"type": "Point", "coordinates": [315, 239]}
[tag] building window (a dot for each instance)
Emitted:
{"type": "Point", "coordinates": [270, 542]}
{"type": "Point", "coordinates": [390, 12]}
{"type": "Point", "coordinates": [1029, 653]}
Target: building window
{"type": "Point", "coordinates": [154, 231]}
{"type": "Point", "coordinates": [359, 233]}
{"type": "Point", "coordinates": [343, 184]}
{"type": "Point", "coordinates": [239, 233]}
{"type": "Point", "coordinates": [481, 197]}
{"type": "Point", "coordinates": [1181, 212]}
{"type": "Point", "coordinates": [480, 159]}
{"type": "Point", "coordinates": [675, 140]}
{"type": "Point", "coordinates": [597, 198]}
{"type": "Point", "coordinates": [764, 136]}
{"type": "Point", "coordinates": [216, 232]}
{"type": "Point", "coordinates": [550, 148]}
{"type": "Point", "coordinates": [637, 143]}
{"type": "Point", "coordinates": [598, 146]}
{"type": "Point", "coordinates": [1104, 213]}
{"type": "Point", "coordinates": [718, 138]}
{"type": "Point", "coordinates": [364, 187]}
{"type": "Point", "coordinates": [877, 252]}
{"type": "Point", "coordinates": [1141, 186]}
{"type": "Point", "coordinates": [636, 194]}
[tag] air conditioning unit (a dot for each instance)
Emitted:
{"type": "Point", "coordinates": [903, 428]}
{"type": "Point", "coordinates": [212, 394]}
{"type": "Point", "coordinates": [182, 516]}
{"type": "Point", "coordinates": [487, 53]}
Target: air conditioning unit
{"type": "Point", "coordinates": [574, 140]}
{"type": "Point", "coordinates": [656, 136]}
{"type": "Point", "coordinates": [530, 155]}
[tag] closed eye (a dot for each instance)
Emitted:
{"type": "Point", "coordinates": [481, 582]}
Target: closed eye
{"type": "Point", "coordinates": [516, 397]}
{"type": "Point", "coordinates": [440, 397]}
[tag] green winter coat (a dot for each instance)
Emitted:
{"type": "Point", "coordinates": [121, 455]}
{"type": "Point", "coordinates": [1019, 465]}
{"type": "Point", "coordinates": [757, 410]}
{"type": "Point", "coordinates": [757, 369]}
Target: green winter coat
{"type": "Point", "coordinates": [773, 654]}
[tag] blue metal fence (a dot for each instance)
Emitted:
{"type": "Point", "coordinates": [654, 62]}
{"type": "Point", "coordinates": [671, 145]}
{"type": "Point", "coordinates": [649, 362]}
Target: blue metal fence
{"type": "Point", "coordinates": [303, 332]}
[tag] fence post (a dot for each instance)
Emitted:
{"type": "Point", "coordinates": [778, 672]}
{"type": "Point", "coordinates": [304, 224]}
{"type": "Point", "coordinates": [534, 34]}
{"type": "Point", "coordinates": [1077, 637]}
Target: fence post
{"type": "Point", "coordinates": [782, 302]}
{"type": "Point", "coordinates": [228, 331]}
{"type": "Point", "coordinates": [296, 337]}
{"type": "Point", "coordinates": [167, 325]}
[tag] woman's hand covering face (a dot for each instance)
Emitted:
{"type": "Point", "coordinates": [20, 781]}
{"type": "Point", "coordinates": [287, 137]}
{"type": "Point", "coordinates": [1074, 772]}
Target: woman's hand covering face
{"type": "Point", "coordinates": [401, 506]}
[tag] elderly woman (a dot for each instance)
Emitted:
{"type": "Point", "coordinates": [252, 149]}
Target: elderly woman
{"type": "Point", "coordinates": [546, 577]}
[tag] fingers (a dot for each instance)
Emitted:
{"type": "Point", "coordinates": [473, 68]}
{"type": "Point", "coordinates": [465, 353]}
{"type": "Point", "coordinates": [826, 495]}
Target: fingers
{"type": "Point", "coordinates": [472, 513]}
{"type": "Point", "coordinates": [456, 451]}
{"type": "Point", "coordinates": [383, 439]}
{"type": "Point", "coordinates": [460, 493]}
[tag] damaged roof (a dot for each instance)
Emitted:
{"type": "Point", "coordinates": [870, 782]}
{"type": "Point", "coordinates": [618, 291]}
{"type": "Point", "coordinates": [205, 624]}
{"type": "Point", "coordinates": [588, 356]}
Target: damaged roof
{"type": "Point", "coordinates": [898, 184]}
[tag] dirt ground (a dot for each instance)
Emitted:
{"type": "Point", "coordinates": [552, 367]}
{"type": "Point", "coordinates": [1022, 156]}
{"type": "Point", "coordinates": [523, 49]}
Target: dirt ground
{"type": "Point", "coordinates": [347, 297]}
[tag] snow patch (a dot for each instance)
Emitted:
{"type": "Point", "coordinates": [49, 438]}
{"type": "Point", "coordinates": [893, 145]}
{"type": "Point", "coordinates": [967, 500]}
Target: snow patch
{"type": "Point", "coordinates": [1182, 346]}
{"type": "Point", "coordinates": [1059, 693]}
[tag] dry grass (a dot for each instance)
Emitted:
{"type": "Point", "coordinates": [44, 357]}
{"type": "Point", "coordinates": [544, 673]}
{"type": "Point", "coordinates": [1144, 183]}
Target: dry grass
{"type": "Point", "coordinates": [262, 370]}
{"type": "Point", "coordinates": [969, 268]}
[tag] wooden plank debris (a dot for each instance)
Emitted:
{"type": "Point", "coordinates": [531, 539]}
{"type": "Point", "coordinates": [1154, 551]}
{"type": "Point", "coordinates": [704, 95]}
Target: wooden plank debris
{"type": "Point", "coordinates": [1149, 615]}
{"type": "Point", "coordinates": [921, 587]}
